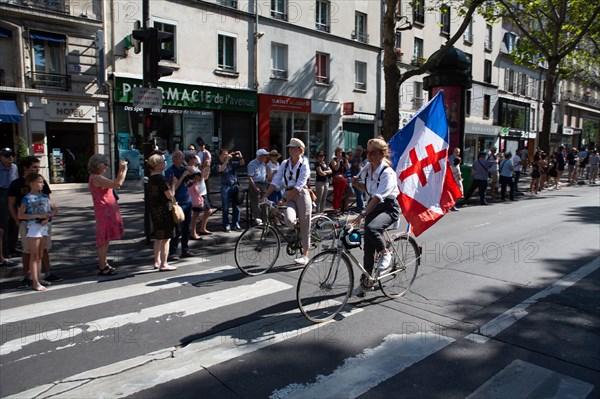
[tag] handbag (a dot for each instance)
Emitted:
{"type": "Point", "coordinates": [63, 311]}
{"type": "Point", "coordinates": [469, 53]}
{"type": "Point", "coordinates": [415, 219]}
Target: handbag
{"type": "Point", "coordinates": [237, 196]}
{"type": "Point", "coordinates": [177, 212]}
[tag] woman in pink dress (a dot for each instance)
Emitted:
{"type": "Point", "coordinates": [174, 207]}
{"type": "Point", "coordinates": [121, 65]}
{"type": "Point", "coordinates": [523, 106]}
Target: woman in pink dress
{"type": "Point", "coordinates": [109, 225]}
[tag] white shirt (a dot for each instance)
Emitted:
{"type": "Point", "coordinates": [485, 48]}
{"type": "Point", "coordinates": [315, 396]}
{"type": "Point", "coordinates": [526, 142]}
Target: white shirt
{"type": "Point", "coordinates": [290, 172]}
{"type": "Point", "coordinates": [382, 184]}
{"type": "Point", "coordinates": [517, 163]}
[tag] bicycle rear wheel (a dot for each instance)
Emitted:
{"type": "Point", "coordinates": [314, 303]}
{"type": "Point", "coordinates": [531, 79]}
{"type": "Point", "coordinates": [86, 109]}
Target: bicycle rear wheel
{"type": "Point", "coordinates": [257, 250]}
{"type": "Point", "coordinates": [322, 233]}
{"type": "Point", "coordinates": [406, 259]}
{"type": "Point", "coordinates": [324, 286]}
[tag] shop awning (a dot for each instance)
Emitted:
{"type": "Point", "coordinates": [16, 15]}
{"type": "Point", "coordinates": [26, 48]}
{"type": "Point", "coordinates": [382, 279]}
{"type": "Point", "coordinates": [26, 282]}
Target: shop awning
{"type": "Point", "coordinates": [51, 37]}
{"type": "Point", "coordinates": [9, 113]}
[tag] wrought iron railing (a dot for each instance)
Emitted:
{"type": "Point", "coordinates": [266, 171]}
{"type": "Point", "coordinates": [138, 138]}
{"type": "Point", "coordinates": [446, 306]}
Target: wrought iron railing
{"type": "Point", "coordinates": [360, 36]}
{"type": "Point", "coordinates": [42, 80]}
{"type": "Point", "coordinates": [62, 6]}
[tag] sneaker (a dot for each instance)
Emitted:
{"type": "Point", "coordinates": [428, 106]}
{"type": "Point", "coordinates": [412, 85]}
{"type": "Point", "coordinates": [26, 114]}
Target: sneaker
{"type": "Point", "coordinates": [227, 229]}
{"type": "Point", "coordinates": [53, 278]}
{"type": "Point", "coordinates": [25, 283]}
{"type": "Point", "coordinates": [45, 283]}
{"type": "Point", "coordinates": [237, 227]}
{"type": "Point", "coordinates": [303, 260]}
{"type": "Point", "coordinates": [385, 262]}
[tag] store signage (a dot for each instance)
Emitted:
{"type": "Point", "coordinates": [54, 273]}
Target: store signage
{"type": "Point", "coordinates": [145, 97]}
{"type": "Point", "coordinates": [348, 109]}
{"type": "Point", "coordinates": [38, 149]}
{"type": "Point", "coordinates": [191, 96]}
{"type": "Point", "coordinates": [280, 103]}
{"type": "Point", "coordinates": [70, 111]}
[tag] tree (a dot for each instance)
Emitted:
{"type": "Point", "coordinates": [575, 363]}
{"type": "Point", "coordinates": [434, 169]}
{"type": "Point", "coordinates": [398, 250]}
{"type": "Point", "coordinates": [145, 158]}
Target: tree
{"type": "Point", "coordinates": [394, 77]}
{"type": "Point", "coordinates": [551, 32]}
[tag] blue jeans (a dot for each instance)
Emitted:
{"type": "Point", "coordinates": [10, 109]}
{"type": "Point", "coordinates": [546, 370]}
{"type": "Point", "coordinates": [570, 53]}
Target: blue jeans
{"type": "Point", "coordinates": [227, 201]}
{"type": "Point", "coordinates": [182, 231]}
{"type": "Point", "coordinates": [360, 202]}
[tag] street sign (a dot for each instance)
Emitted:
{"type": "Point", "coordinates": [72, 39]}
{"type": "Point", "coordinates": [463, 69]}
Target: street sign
{"type": "Point", "coordinates": [145, 97]}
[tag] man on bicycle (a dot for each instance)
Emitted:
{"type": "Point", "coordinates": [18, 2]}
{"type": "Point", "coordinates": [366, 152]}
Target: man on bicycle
{"type": "Point", "coordinates": [380, 183]}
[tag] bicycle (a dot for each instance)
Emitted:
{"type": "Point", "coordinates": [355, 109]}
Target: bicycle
{"type": "Point", "coordinates": [257, 248]}
{"type": "Point", "coordinates": [326, 283]}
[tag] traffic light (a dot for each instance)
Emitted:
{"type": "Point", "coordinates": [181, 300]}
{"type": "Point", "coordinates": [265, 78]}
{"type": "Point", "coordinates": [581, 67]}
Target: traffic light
{"type": "Point", "coordinates": [156, 48]}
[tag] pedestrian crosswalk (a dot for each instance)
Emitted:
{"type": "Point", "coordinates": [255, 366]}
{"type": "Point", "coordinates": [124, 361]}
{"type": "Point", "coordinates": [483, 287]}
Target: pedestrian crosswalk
{"type": "Point", "coordinates": [206, 318]}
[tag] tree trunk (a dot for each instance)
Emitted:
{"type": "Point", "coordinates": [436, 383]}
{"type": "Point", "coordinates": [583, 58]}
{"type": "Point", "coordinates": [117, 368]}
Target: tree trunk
{"type": "Point", "coordinates": [548, 105]}
{"type": "Point", "coordinates": [391, 72]}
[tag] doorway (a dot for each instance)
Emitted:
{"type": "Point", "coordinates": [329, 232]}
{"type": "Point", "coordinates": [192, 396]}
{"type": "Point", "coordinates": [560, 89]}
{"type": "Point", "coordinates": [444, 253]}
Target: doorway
{"type": "Point", "coordinates": [70, 146]}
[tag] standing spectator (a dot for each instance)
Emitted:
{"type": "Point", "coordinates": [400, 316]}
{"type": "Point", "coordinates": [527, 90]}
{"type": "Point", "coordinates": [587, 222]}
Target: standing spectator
{"type": "Point", "coordinates": [584, 158]}
{"type": "Point", "coordinates": [37, 209]}
{"type": "Point", "coordinates": [594, 161]}
{"type": "Point", "coordinates": [257, 184]}
{"type": "Point", "coordinates": [293, 175]}
{"type": "Point", "coordinates": [18, 189]}
{"type": "Point", "coordinates": [543, 166]}
{"type": "Point", "coordinates": [480, 177]}
{"type": "Point", "coordinates": [272, 168]}
{"type": "Point", "coordinates": [228, 167]}
{"type": "Point", "coordinates": [457, 174]}
{"type": "Point", "coordinates": [535, 174]}
{"type": "Point", "coordinates": [204, 160]}
{"type": "Point", "coordinates": [506, 177]}
{"type": "Point", "coordinates": [524, 160]}
{"type": "Point", "coordinates": [178, 176]}
{"type": "Point", "coordinates": [356, 164]}
{"type": "Point", "coordinates": [518, 167]}
{"type": "Point", "coordinates": [493, 171]}
{"type": "Point", "coordinates": [559, 156]}
{"type": "Point", "coordinates": [159, 200]}
{"type": "Point", "coordinates": [323, 172]}
{"type": "Point", "coordinates": [571, 164]}
{"type": "Point", "coordinates": [339, 166]}
{"type": "Point", "coordinates": [553, 171]}
{"type": "Point", "coordinates": [8, 173]}
{"type": "Point", "coordinates": [109, 224]}
{"type": "Point", "coordinates": [455, 154]}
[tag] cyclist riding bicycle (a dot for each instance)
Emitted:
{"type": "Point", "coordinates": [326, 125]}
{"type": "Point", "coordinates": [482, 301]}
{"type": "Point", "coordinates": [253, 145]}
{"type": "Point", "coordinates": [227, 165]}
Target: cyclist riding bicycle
{"type": "Point", "coordinates": [293, 175]}
{"type": "Point", "coordinates": [382, 209]}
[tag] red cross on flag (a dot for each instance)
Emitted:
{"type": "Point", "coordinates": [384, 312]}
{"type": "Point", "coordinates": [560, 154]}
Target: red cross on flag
{"type": "Point", "coordinates": [420, 156]}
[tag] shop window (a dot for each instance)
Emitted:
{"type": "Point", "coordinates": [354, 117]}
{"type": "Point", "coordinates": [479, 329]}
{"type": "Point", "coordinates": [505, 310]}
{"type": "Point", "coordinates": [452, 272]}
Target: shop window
{"type": "Point", "coordinates": [360, 76]}
{"type": "Point", "coordinates": [279, 54]}
{"type": "Point", "coordinates": [322, 15]}
{"type": "Point", "coordinates": [226, 53]}
{"type": "Point", "coordinates": [322, 68]}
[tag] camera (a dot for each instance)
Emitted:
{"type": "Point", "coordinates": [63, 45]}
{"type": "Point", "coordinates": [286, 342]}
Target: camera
{"type": "Point", "coordinates": [344, 155]}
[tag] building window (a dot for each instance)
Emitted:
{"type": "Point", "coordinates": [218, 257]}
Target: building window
{"type": "Point", "coordinates": [279, 9]}
{"type": "Point", "coordinates": [360, 76]}
{"type": "Point", "coordinates": [418, 52]}
{"type": "Point", "coordinates": [445, 20]}
{"type": "Point", "coordinates": [417, 95]}
{"type": "Point", "coordinates": [468, 103]}
{"type": "Point", "coordinates": [322, 68]}
{"type": "Point", "coordinates": [226, 53]}
{"type": "Point", "coordinates": [360, 28]}
{"type": "Point", "coordinates": [419, 12]}
{"type": "Point", "coordinates": [488, 45]}
{"type": "Point", "coordinates": [509, 80]}
{"type": "Point", "coordinates": [510, 42]}
{"type": "Point", "coordinates": [322, 15]}
{"type": "Point", "coordinates": [279, 61]}
{"type": "Point", "coordinates": [48, 59]}
{"type": "Point", "coordinates": [523, 84]}
{"type": "Point", "coordinates": [487, 71]}
{"type": "Point", "coordinates": [486, 105]}
{"type": "Point", "coordinates": [169, 46]}
{"type": "Point", "coordinates": [228, 3]}
{"type": "Point", "coordinates": [468, 35]}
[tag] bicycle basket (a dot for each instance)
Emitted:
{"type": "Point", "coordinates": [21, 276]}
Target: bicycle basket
{"type": "Point", "coordinates": [352, 238]}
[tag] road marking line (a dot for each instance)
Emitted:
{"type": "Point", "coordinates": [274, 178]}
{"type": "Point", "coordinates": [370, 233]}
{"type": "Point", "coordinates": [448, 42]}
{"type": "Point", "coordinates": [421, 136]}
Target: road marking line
{"type": "Point", "coordinates": [159, 367]}
{"type": "Point", "coordinates": [524, 380]}
{"type": "Point", "coordinates": [20, 292]}
{"type": "Point", "coordinates": [38, 309]}
{"type": "Point", "coordinates": [360, 373]}
{"type": "Point", "coordinates": [516, 313]}
{"type": "Point", "coordinates": [182, 308]}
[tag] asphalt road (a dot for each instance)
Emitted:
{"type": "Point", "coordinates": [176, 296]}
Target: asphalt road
{"type": "Point", "coordinates": [505, 305]}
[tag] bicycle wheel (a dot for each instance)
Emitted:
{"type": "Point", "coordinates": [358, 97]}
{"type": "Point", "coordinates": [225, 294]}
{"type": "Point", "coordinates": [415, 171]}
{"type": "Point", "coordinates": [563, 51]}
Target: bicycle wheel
{"type": "Point", "coordinates": [257, 250]}
{"type": "Point", "coordinates": [324, 286]}
{"type": "Point", "coordinates": [406, 259]}
{"type": "Point", "coordinates": [322, 233]}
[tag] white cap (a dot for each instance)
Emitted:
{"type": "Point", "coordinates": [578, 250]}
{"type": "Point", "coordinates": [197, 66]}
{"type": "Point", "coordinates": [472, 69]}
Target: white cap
{"type": "Point", "coordinates": [262, 152]}
{"type": "Point", "coordinates": [296, 143]}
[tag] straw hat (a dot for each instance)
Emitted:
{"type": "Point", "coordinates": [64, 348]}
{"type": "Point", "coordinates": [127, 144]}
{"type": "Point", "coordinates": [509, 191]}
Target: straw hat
{"type": "Point", "coordinates": [274, 153]}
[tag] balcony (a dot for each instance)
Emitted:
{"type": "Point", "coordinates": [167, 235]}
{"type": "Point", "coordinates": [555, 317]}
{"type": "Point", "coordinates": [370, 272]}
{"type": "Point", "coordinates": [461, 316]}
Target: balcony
{"type": "Point", "coordinates": [279, 15]}
{"type": "Point", "coordinates": [41, 80]}
{"type": "Point", "coordinates": [278, 74]}
{"type": "Point", "coordinates": [584, 98]}
{"type": "Point", "coordinates": [61, 6]}
{"type": "Point", "coordinates": [360, 36]}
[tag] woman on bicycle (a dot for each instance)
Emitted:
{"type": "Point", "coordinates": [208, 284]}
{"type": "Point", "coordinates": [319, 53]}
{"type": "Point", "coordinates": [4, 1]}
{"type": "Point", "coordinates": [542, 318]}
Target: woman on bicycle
{"type": "Point", "coordinates": [293, 175]}
{"type": "Point", "coordinates": [380, 183]}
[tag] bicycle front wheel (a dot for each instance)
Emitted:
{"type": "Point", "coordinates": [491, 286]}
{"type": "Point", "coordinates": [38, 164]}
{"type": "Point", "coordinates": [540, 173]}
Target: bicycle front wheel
{"type": "Point", "coordinates": [324, 286]}
{"type": "Point", "coordinates": [322, 233]}
{"type": "Point", "coordinates": [257, 250]}
{"type": "Point", "coordinates": [405, 262]}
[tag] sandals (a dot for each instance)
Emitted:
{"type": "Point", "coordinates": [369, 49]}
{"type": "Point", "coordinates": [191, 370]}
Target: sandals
{"type": "Point", "coordinates": [167, 269]}
{"type": "Point", "coordinates": [107, 271]}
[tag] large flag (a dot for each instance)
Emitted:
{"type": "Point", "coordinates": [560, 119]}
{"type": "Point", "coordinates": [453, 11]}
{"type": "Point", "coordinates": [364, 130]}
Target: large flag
{"type": "Point", "coordinates": [420, 156]}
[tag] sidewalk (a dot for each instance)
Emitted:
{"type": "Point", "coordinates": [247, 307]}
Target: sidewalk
{"type": "Point", "coordinates": [73, 232]}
